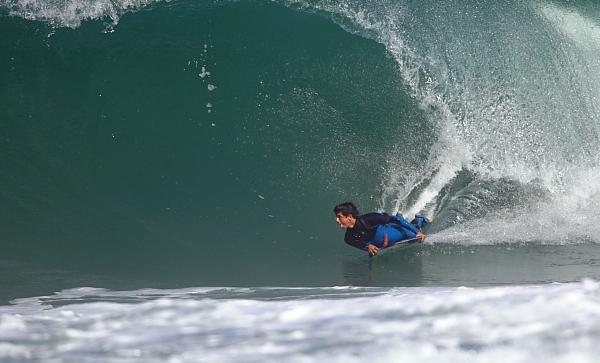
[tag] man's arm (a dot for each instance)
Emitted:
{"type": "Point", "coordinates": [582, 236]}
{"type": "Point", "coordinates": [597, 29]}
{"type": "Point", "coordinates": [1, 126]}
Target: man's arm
{"type": "Point", "coordinates": [372, 249]}
{"type": "Point", "coordinates": [357, 244]}
{"type": "Point", "coordinates": [368, 224]}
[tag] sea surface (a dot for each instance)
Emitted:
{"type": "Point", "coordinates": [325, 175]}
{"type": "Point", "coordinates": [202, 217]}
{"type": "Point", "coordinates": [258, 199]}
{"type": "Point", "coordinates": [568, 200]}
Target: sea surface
{"type": "Point", "coordinates": [168, 171]}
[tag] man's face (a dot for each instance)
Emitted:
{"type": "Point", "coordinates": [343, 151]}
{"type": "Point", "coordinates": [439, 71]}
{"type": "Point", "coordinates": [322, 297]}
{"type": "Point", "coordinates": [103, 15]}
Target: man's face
{"type": "Point", "coordinates": [345, 221]}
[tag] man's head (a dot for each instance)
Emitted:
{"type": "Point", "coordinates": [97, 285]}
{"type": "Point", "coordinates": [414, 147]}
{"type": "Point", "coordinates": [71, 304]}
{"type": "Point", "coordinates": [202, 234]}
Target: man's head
{"type": "Point", "coordinates": [346, 214]}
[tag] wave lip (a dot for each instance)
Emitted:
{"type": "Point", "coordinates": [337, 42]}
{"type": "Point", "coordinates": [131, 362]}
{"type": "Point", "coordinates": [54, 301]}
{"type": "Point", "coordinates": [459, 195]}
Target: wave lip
{"type": "Point", "coordinates": [71, 13]}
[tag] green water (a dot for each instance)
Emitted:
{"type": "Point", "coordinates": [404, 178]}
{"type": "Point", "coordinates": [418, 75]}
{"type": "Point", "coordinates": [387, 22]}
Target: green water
{"type": "Point", "coordinates": [205, 144]}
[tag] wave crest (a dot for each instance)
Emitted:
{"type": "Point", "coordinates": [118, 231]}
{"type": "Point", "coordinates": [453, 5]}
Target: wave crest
{"type": "Point", "coordinates": [71, 13]}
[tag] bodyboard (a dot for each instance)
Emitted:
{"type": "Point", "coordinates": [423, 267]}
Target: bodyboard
{"type": "Point", "coordinates": [398, 245]}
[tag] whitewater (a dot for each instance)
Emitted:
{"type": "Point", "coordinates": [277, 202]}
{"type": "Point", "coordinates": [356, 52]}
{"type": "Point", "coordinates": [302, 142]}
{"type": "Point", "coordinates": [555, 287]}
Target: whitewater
{"type": "Point", "coordinates": [549, 323]}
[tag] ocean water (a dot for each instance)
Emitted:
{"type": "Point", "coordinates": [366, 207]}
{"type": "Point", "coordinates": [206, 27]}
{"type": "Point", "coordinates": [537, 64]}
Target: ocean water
{"type": "Point", "coordinates": [552, 323]}
{"type": "Point", "coordinates": [168, 171]}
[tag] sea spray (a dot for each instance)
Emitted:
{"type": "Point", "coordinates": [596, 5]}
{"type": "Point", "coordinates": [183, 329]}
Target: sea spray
{"type": "Point", "coordinates": [71, 13]}
{"type": "Point", "coordinates": [512, 102]}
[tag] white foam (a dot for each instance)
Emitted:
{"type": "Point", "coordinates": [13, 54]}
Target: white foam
{"type": "Point", "coordinates": [578, 27]}
{"type": "Point", "coordinates": [512, 324]}
{"type": "Point", "coordinates": [70, 13]}
{"type": "Point", "coordinates": [569, 217]}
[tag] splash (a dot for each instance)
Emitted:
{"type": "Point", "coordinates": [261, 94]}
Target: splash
{"type": "Point", "coordinates": [71, 13]}
{"type": "Point", "coordinates": [511, 99]}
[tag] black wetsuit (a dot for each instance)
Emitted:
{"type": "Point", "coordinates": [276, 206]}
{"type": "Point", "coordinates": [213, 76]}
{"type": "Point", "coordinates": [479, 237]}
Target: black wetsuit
{"type": "Point", "coordinates": [365, 228]}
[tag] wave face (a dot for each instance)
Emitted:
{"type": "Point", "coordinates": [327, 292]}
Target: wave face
{"type": "Point", "coordinates": [558, 322]}
{"type": "Point", "coordinates": [511, 91]}
{"type": "Point", "coordinates": [178, 143]}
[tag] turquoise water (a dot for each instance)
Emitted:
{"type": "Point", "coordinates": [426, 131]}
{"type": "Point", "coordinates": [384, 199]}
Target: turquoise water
{"type": "Point", "coordinates": [168, 171]}
{"type": "Point", "coordinates": [182, 143]}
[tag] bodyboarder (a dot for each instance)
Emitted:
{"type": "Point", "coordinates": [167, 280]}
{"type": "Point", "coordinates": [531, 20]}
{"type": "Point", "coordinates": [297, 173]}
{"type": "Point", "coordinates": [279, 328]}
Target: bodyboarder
{"type": "Point", "coordinates": [372, 231]}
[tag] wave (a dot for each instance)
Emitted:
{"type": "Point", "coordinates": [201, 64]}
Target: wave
{"type": "Point", "coordinates": [200, 139]}
{"type": "Point", "coordinates": [513, 101]}
{"type": "Point", "coordinates": [485, 95]}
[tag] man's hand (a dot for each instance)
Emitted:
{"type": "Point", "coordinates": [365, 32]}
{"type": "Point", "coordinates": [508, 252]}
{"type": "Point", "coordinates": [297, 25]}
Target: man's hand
{"type": "Point", "coordinates": [421, 236]}
{"type": "Point", "coordinates": [372, 249]}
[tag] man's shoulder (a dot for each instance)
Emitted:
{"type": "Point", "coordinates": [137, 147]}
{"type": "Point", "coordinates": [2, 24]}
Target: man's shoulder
{"type": "Point", "coordinates": [372, 215]}
{"type": "Point", "coordinates": [374, 218]}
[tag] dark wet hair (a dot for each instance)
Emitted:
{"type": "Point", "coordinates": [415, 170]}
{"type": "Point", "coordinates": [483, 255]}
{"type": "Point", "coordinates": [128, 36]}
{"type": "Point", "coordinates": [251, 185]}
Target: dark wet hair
{"type": "Point", "coordinates": [347, 208]}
